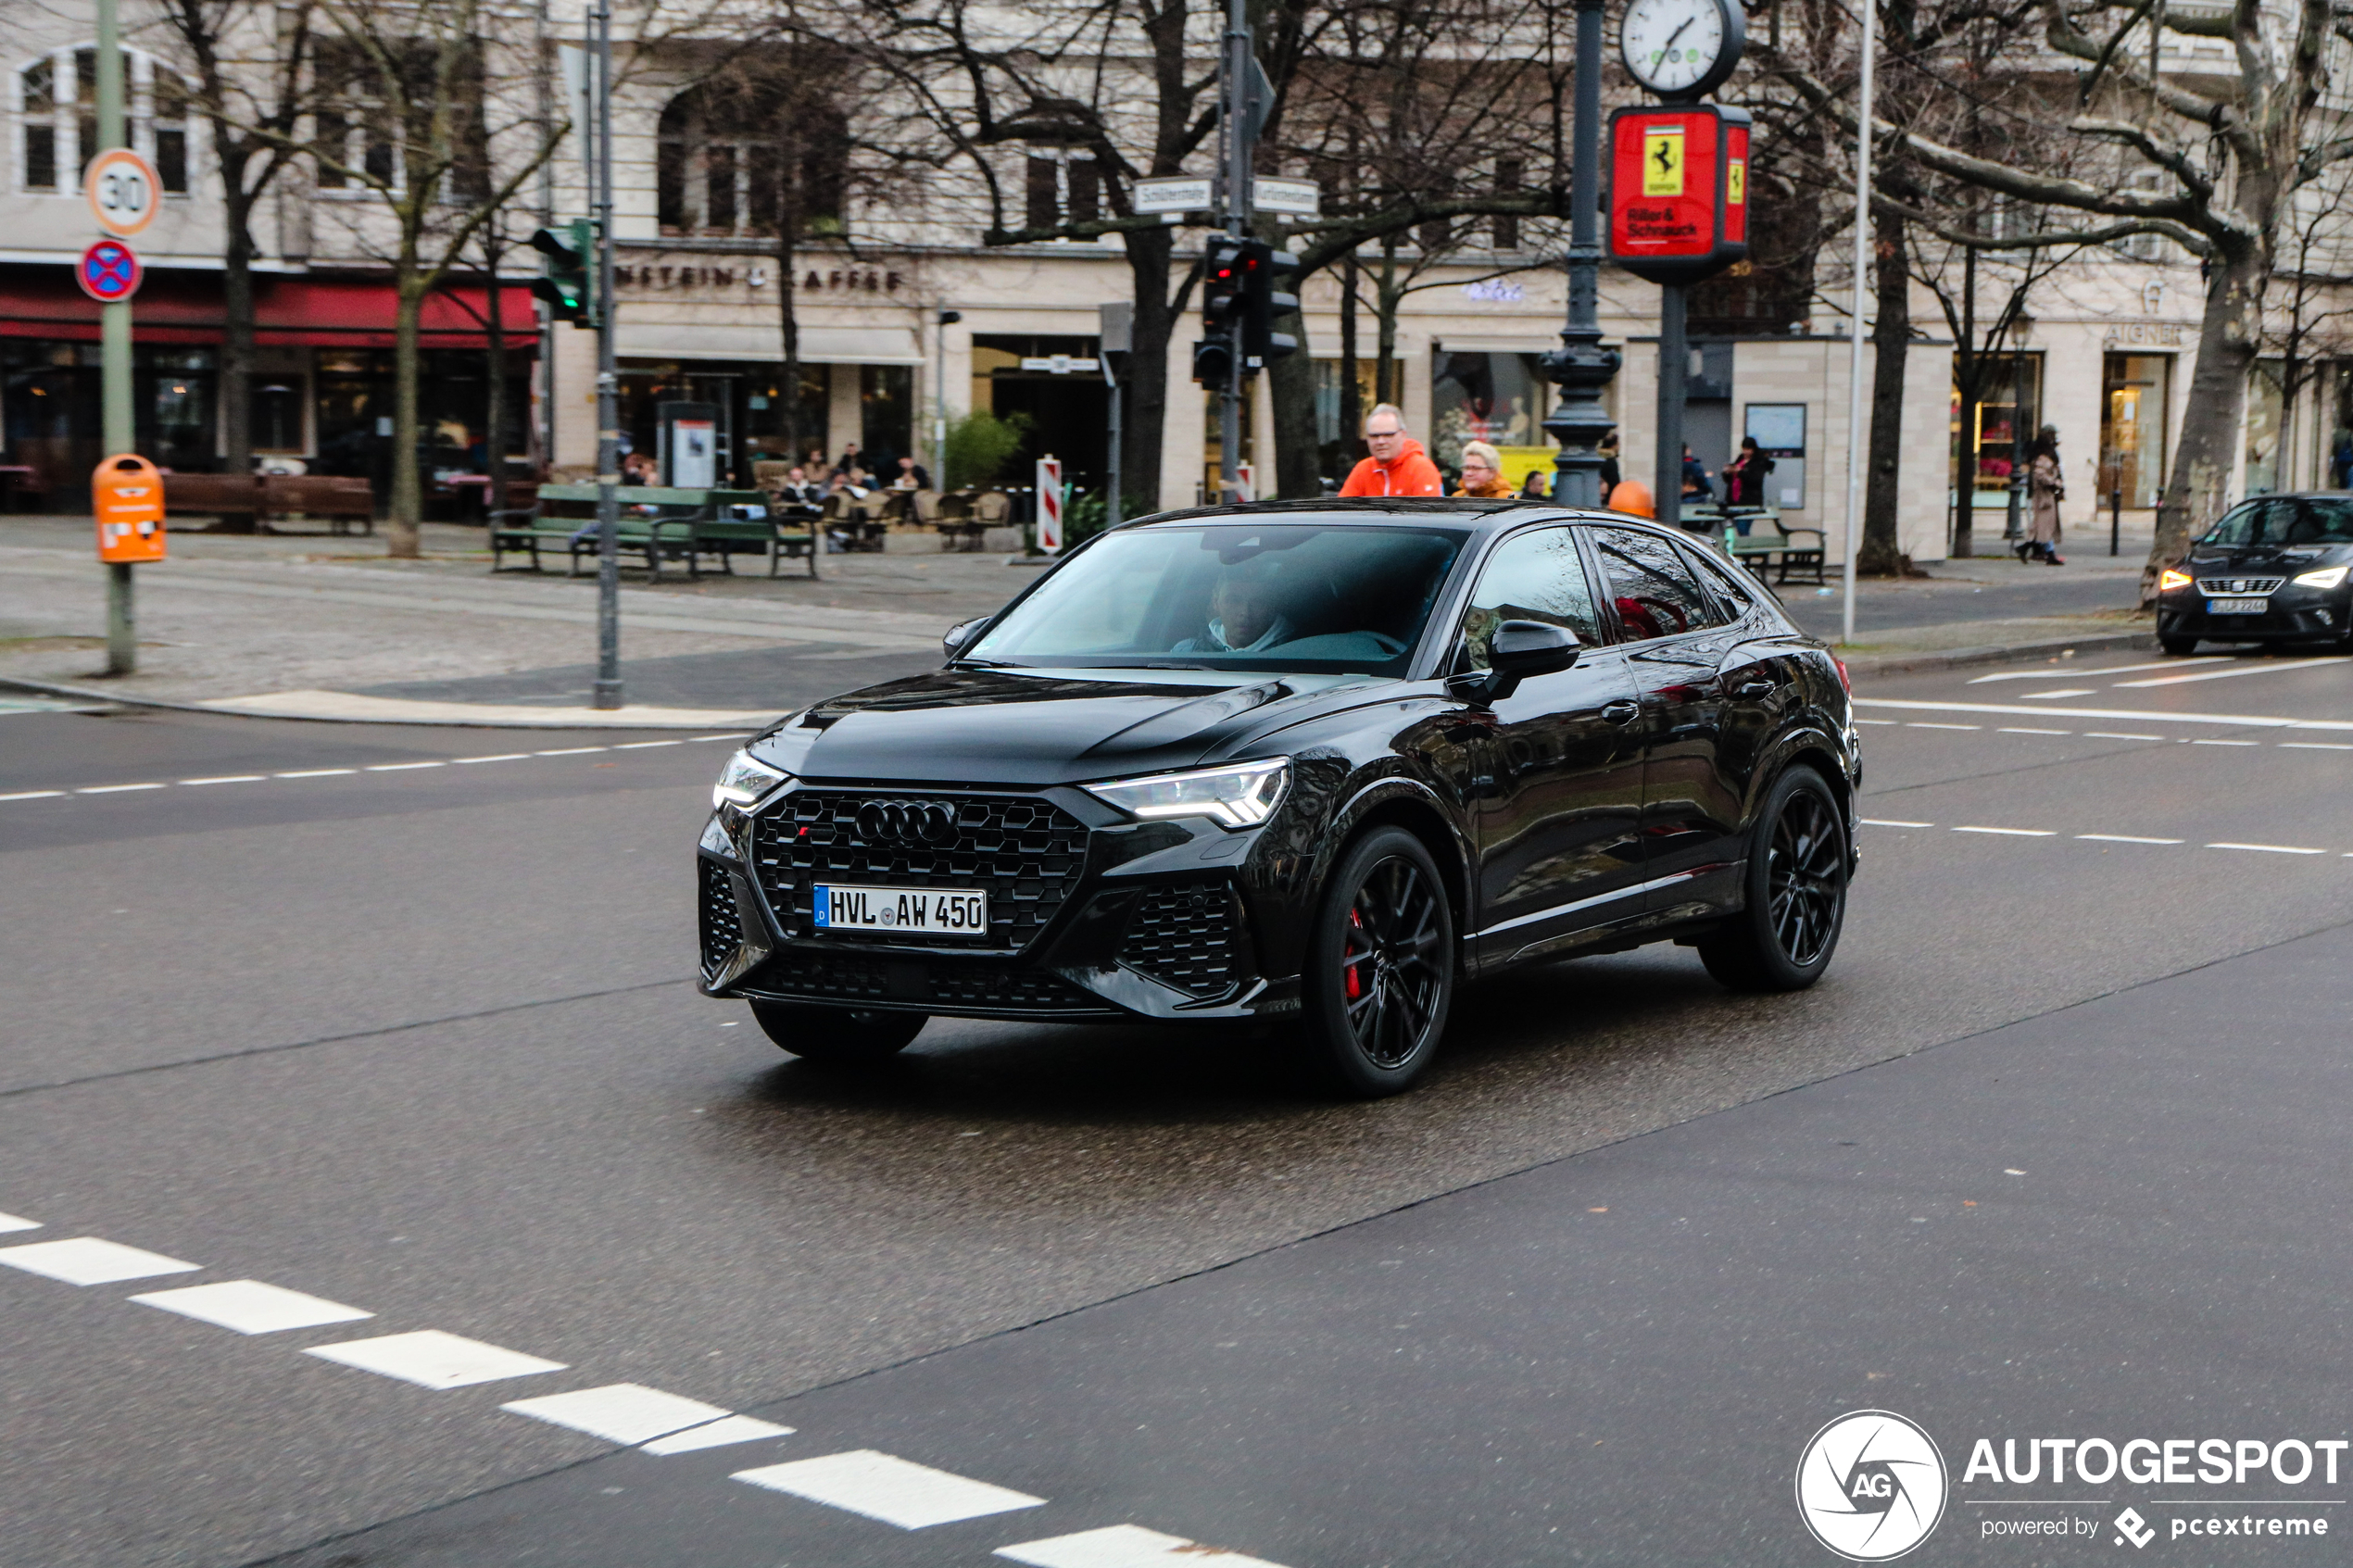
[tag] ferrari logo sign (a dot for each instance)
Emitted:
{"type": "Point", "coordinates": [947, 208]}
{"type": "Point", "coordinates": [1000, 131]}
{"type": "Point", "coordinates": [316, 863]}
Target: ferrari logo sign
{"type": "Point", "coordinates": [1736, 182]}
{"type": "Point", "coordinates": [1662, 161]}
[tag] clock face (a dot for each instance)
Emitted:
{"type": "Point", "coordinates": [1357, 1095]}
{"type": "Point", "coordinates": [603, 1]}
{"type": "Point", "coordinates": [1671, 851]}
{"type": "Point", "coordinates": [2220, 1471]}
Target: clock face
{"type": "Point", "coordinates": [1675, 47]}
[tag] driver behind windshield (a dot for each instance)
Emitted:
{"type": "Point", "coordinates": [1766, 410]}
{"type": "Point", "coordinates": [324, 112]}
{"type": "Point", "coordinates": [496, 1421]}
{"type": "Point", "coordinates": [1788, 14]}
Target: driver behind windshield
{"type": "Point", "coordinates": [1245, 616]}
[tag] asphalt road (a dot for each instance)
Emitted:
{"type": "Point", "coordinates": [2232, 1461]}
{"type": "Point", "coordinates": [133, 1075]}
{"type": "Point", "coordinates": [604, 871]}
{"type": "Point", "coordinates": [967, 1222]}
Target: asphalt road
{"type": "Point", "coordinates": [418, 1040]}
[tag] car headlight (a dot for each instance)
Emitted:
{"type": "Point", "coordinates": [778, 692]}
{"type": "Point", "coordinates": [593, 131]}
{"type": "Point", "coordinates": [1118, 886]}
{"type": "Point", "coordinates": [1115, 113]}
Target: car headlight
{"type": "Point", "coordinates": [744, 780]}
{"type": "Point", "coordinates": [2327, 577]}
{"type": "Point", "coordinates": [1242, 796]}
{"type": "Point", "coordinates": [2169, 580]}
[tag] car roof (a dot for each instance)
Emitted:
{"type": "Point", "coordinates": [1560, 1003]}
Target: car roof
{"type": "Point", "coordinates": [1487, 516]}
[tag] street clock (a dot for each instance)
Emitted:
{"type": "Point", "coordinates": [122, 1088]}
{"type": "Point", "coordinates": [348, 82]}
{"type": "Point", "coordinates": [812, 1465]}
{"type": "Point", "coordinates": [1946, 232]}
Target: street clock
{"type": "Point", "coordinates": [1681, 49]}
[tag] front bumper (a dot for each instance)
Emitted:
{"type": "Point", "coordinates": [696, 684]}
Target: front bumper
{"type": "Point", "coordinates": [2290, 614]}
{"type": "Point", "coordinates": [1092, 916]}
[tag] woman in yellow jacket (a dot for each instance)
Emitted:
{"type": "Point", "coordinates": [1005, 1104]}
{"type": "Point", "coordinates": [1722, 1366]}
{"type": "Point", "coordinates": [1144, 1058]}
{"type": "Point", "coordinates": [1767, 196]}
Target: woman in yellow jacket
{"type": "Point", "coordinates": [1483, 473]}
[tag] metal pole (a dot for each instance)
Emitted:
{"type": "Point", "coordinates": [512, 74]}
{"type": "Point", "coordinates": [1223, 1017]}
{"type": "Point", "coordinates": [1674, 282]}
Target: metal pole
{"type": "Point", "coordinates": [1581, 366]}
{"type": "Point", "coordinates": [118, 431]}
{"type": "Point", "coordinates": [1855, 439]}
{"type": "Point", "coordinates": [607, 691]}
{"type": "Point", "coordinates": [2014, 527]}
{"type": "Point", "coordinates": [1674, 367]}
{"type": "Point", "coordinates": [1111, 488]}
{"type": "Point", "coordinates": [1237, 127]}
{"type": "Point", "coordinates": [2116, 520]}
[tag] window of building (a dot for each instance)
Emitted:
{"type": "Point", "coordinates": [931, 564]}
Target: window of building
{"type": "Point", "coordinates": [1498, 399]}
{"type": "Point", "coordinates": [57, 115]}
{"type": "Point", "coordinates": [732, 155]}
{"type": "Point", "coordinates": [358, 129]}
{"type": "Point", "coordinates": [2008, 413]}
{"type": "Point", "coordinates": [1060, 187]}
{"type": "Point", "coordinates": [1509, 173]}
{"type": "Point", "coordinates": [2133, 417]}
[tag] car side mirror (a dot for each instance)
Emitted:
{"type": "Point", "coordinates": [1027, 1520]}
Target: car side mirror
{"type": "Point", "coordinates": [1517, 650]}
{"type": "Point", "coordinates": [961, 633]}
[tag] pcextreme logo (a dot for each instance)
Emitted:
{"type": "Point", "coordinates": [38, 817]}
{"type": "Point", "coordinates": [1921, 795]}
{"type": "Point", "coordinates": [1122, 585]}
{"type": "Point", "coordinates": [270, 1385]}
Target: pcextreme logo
{"type": "Point", "coordinates": [1871, 1486]}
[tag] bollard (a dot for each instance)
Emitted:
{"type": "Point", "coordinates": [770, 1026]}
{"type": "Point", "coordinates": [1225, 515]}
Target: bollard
{"type": "Point", "coordinates": [2116, 520]}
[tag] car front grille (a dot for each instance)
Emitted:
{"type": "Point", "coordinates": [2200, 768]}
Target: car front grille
{"type": "Point", "coordinates": [849, 979]}
{"type": "Point", "coordinates": [723, 930]}
{"type": "Point", "coordinates": [2225, 586]}
{"type": "Point", "coordinates": [1026, 854]}
{"type": "Point", "coordinates": [1183, 934]}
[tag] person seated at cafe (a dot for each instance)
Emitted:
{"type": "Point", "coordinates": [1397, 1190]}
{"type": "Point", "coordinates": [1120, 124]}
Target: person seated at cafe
{"type": "Point", "coordinates": [1696, 487]}
{"type": "Point", "coordinates": [797, 493]}
{"type": "Point", "coordinates": [912, 475]}
{"type": "Point", "coordinates": [850, 459]}
{"type": "Point", "coordinates": [638, 469]}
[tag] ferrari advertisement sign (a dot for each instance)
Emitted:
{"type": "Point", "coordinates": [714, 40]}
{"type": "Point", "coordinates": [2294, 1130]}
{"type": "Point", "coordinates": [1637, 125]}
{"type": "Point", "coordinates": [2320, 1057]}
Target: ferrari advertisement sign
{"type": "Point", "coordinates": [1678, 207]}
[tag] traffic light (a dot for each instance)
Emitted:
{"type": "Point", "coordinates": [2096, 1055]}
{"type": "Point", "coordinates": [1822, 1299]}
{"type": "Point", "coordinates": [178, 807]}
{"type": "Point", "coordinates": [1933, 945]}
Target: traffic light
{"type": "Point", "coordinates": [569, 281]}
{"type": "Point", "coordinates": [1222, 305]}
{"type": "Point", "coordinates": [1270, 279]}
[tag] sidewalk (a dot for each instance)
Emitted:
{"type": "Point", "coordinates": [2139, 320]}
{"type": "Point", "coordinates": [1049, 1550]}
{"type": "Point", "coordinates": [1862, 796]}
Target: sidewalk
{"type": "Point", "coordinates": [330, 628]}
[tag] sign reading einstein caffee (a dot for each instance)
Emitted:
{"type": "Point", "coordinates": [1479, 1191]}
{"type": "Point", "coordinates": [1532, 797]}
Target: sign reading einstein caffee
{"type": "Point", "coordinates": [713, 277]}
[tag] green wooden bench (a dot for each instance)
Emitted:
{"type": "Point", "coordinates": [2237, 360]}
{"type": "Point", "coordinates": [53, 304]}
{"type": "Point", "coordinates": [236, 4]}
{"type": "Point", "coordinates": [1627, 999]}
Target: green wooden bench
{"type": "Point", "coordinates": [657, 523]}
{"type": "Point", "coordinates": [1769, 544]}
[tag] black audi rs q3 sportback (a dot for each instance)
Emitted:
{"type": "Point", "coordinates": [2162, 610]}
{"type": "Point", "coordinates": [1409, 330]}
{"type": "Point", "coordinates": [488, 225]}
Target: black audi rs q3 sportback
{"type": "Point", "coordinates": [2277, 568]}
{"type": "Point", "coordinates": [1318, 761]}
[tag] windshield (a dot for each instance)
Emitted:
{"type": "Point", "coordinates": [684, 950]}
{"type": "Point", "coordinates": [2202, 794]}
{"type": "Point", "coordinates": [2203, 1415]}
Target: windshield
{"type": "Point", "coordinates": [1289, 598]}
{"type": "Point", "coordinates": [2281, 519]}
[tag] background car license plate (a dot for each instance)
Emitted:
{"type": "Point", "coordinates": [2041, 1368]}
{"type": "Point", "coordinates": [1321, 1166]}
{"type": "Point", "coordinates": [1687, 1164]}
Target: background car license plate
{"type": "Point", "coordinates": [2237, 607]}
{"type": "Point", "coordinates": [914, 911]}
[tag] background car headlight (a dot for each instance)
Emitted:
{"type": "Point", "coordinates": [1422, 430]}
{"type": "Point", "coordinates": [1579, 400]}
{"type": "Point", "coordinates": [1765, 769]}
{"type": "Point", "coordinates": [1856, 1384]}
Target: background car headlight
{"type": "Point", "coordinates": [2169, 580]}
{"type": "Point", "coordinates": [1242, 796]}
{"type": "Point", "coordinates": [744, 780]}
{"type": "Point", "coordinates": [2327, 577]}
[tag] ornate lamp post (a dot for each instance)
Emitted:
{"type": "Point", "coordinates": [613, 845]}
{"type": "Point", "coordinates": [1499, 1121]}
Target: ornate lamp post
{"type": "Point", "coordinates": [1581, 366]}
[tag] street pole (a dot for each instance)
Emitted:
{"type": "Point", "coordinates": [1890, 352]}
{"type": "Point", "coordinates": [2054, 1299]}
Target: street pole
{"type": "Point", "coordinates": [945, 319]}
{"type": "Point", "coordinates": [608, 690]}
{"type": "Point", "coordinates": [2013, 526]}
{"type": "Point", "coordinates": [1674, 368]}
{"type": "Point", "coordinates": [114, 348]}
{"type": "Point", "coordinates": [1111, 488]}
{"type": "Point", "coordinates": [1856, 438]}
{"type": "Point", "coordinates": [1237, 63]}
{"type": "Point", "coordinates": [1581, 366]}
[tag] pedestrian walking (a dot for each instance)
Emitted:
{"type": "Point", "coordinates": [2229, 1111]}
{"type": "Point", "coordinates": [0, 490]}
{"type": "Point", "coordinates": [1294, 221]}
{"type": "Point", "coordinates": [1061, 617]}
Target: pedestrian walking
{"type": "Point", "coordinates": [1398, 465]}
{"type": "Point", "coordinates": [2045, 493]}
{"type": "Point", "coordinates": [1483, 473]}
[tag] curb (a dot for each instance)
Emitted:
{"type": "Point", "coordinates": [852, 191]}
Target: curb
{"type": "Point", "coordinates": [115, 699]}
{"type": "Point", "coordinates": [1998, 653]}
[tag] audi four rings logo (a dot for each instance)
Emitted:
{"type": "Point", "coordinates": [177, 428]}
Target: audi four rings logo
{"type": "Point", "coordinates": [1871, 1486]}
{"type": "Point", "coordinates": [908, 822]}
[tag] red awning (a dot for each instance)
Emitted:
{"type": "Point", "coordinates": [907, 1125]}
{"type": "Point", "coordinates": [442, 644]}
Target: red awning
{"type": "Point", "coordinates": [307, 311]}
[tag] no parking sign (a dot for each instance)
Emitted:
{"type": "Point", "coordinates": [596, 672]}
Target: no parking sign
{"type": "Point", "coordinates": [109, 272]}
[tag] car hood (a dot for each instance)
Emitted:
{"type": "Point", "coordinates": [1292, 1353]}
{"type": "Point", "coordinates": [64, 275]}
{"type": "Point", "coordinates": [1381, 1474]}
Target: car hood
{"type": "Point", "coordinates": [2241, 561]}
{"type": "Point", "coordinates": [1038, 727]}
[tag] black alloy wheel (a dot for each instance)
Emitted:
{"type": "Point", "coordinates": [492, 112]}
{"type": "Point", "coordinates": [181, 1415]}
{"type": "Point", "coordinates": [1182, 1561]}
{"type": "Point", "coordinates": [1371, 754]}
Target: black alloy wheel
{"type": "Point", "coordinates": [1782, 941]}
{"type": "Point", "coordinates": [843, 1036]}
{"type": "Point", "coordinates": [2176, 647]}
{"type": "Point", "coordinates": [1380, 967]}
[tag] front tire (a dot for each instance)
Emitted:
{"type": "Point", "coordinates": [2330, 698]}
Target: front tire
{"type": "Point", "coordinates": [843, 1037]}
{"type": "Point", "coordinates": [1380, 967]}
{"type": "Point", "coordinates": [1782, 941]}
{"type": "Point", "coordinates": [2178, 647]}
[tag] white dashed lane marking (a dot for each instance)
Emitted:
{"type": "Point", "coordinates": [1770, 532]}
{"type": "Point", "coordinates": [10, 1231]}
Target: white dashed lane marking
{"type": "Point", "coordinates": [2245, 721]}
{"type": "Point", "coordinates": [2124, 839]}
{"type": "Point", "coordinates": [2015, 832]}
{"type": "Point", "coordinates": [618, 1412]}
{"type": "Point", "coordinates": [247, 1306]}
{"type": "Point", "coordinates": [2266, 667]}
{"type": "Point", "coordinates": [2119, 734]}
{"type": "Point", "coordinates": [2088, 674]}
{"type": "Point", "coordinates": [2009, 730]}
{"type": "Point", "coordinates": [2054, 697]}
{"type": "Point", "coordinates": [2268, 848]}
{"type": "Point", "coordinates": [431, 1359]}
{"type": "Point", "coordinates": [1891, 822]}
{"type": "Point", "coordinates": [2095, 837]}
{"type": "Point", "coordinates": [2226, 743]}
{"type": "Point", "coordinates": [896, 1491]}
{"type": "Point", "coordinates": [86, 1260]}
{"type": "Point", "coordinates": [1924, 725]}
{"type": "Point", "coordinates": [1126, 1546]}
{"type": "Point", "coordinates": [372, 768]}
{"type": "Point", "coordinates": [17, 1223]}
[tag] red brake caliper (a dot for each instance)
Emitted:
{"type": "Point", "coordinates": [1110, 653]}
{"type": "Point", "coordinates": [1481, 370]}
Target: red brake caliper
{"type": "Point", "coordinates": [1355, 987]}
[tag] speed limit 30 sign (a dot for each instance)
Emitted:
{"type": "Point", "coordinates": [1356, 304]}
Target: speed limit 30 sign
{"type": "Point", "coordinates": [123, 192]}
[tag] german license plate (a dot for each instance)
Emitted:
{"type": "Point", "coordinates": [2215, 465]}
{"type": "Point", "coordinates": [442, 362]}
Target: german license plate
{"type": "Point", "coordinates": [907, 911]}
{"type": "Point", "coordinates": [2237, 607]}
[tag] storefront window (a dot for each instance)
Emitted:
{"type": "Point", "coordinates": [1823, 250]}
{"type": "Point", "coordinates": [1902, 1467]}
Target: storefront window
{"type": "Point", "coordinates": [2010, 410]}
{"type": "Point", "coordinates": [54, 418]}
{"type": "Point", "coordinates": [886, 416]}
{"type": "Point", "coordinates": [2133, 414]}
{"type": "Point", "coordinates": [1477, 396]}
{"type": "Point", "coordinates": [763, 412]}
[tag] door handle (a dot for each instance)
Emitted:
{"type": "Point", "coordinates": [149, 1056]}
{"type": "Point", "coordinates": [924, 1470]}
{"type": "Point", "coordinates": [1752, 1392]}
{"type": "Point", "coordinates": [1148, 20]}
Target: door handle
{"type": "Point", "coordinates": [1622, 711]}
{"type": "Point", "coordinates": [1749, 691]}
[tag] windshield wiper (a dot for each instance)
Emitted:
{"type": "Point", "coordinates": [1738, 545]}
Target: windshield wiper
{"type": "Point", "coordinates": [982, 664]}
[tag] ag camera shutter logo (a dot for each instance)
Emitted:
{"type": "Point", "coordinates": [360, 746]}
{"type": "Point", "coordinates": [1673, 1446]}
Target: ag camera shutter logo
{"type": "Point", "coordinates": [1871, 1486]}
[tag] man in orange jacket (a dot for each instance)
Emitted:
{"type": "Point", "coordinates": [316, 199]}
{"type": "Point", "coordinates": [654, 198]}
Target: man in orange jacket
{"type": "Point", "coordinates": [1398, 466]}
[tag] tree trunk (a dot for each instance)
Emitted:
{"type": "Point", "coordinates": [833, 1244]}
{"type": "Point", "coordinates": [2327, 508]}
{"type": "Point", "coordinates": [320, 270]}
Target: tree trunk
{"type": "Point", "coordinates": [1968, 376]}
{"type": "Point", "coordinates": [1351, 397]}
{"type": "Point", "coordinates": [236, 336]}
{"type": "Point", "coordinates": [1385, 325]}
{"type": "Point", "coordinates": [1290, 381]}
{"type": "Point", "coordinates": [494, 443]}
{"type": "Point", "coordinates": [407, 496]}
{"type": "Point", "coordinates": [2226, 347]}
{"type": "Point", "coordinates": [1880, 556]}
{"type": "Point", "coordinates": [1147, 369]}
{"type": "Point", "coordinates": [788, 316]}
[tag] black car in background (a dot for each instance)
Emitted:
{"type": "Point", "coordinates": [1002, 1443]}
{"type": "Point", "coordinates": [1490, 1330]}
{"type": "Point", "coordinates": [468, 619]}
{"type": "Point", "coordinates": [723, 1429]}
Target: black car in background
{"type": "Point", "coordinates": [1314, 760]}
{"type": "Point", "coordinates": [2274, 569]}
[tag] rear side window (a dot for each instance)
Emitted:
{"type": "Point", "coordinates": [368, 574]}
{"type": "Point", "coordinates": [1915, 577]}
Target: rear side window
{"type": "Point", "coordinates": [1538, 575]}
{"type": "Point", "coordinates": [1734, 593]}
{"type": "Point", "coordinates": [1651, 586]}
